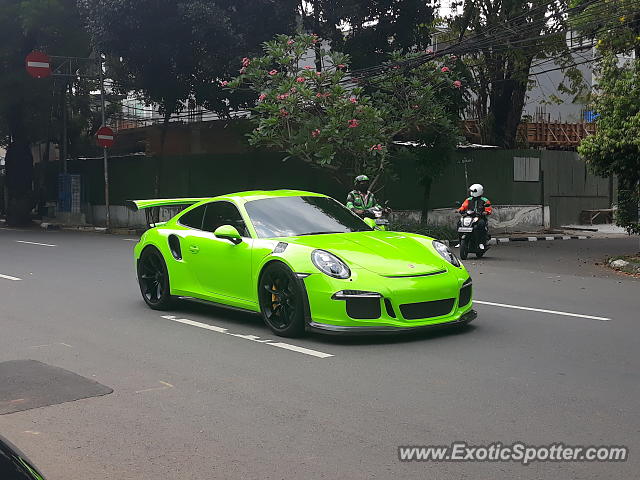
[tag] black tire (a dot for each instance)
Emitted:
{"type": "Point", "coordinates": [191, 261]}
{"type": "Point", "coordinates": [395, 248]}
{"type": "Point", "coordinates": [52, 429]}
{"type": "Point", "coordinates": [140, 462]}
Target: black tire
{"type": "Point", "coordinates": [464, 248]}
{"type": "Point", "coordinates": [281, 300]}
{"type": "Point", "coordinates": [153, 278]}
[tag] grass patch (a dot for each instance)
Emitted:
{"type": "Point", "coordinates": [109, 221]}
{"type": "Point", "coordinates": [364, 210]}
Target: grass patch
{"type": "Point", "coordinates": [435, 231]}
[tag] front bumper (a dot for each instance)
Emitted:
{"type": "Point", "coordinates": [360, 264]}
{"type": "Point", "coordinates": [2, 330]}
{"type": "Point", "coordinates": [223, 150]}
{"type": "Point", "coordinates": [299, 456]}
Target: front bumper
{"type": "Point", "coordinates": [370, 303]}
{"type": "Point", "coordinates": [464, 319]}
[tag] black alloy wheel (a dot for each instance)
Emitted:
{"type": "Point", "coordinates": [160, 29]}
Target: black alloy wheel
{"type": "Point", "coordinates": [281, 300]}
{"type": "Point", "coordinates": [153, 278]}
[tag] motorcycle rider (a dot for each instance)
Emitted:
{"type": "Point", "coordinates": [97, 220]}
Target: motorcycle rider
{"type": "Point", "coordinates": [360, 198]}
{"type": "Point", "coordinates": [482, 205]}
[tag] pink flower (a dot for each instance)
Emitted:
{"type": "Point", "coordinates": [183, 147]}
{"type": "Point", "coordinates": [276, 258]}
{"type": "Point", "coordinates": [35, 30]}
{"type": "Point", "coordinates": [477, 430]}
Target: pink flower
{"type": "Point", "coordinates": [453, 57]}
{"type": "Point", "coordinates": [444, 69]}
{"type": "Point", "coordinates": [300, 80]}
{"type": "Point", "coordinates": [262, 96]}
{"type": "Point", "coordinates": [308, 67]}
{"type": "Point", "coordinates": [273, 72]}
{"type": "Point", "coordinates": [293, 90]}
{"type": "Point", "coordinates": [429, 51]}
{"type": "Point", "coordinates": [315, 133]}
{"type": "Point", "coordinates": [353, 100]}
{"type": "Point", "coordinates": [341, 66]}
{"type": "Point", "coordinates": [283, 96]}
{"type": "Point", "coordinates": [314, 38]}
{"type": "Point", "coordinates": [353, 123]}
{"type": "Point", "coordinates": [318, 74]}
{"type": "Point", "coordinates": [284, 113]}
{"type": "Point", "coordinates": [224, 83]}
{"type": "Point", "coordinates": [396, 67]}
{"type": "Point", "coordinates": [377, 147]}
{"type": "Point", "coordinates": [243, 70]}
{"type": "Point", "coordinates": [245, 62]}
{"type": "Point", "coordinates": [415, 107]}
{"type": "Point", "coordinates": [457, 84]}
{"type": "Point", "coordinates": [290, 42]}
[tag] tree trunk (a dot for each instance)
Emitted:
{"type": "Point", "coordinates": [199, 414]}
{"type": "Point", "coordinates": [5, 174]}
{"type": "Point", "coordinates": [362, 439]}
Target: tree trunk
{"type": "Point", "coordinates": [163, 138]}
{"type": "Point", "coordinates": [316, 27]}
{"type": "Point", "coordinates": [505, 112]}
{"type": "Point", "coordinates": [426, 183]}
{"type": "Point", "coordinates": [19, 183]}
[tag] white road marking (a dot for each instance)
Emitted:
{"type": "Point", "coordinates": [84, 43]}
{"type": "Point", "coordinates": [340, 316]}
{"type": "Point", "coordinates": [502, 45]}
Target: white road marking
{"type": "Point", "coordinates": [130, 239]}
{"type": "Point", "coordinates": [540, 310]}
{"type": "Point", "coordinates": [9, 277]}
{"type": "Point", "coordinates": [253, 338]}
{"type": "Point", "coordinates": [166, 386]}
{"type": "Point", "coordinates": [306, 351]}
{"type": "Point", "coordinates": [36, 243]}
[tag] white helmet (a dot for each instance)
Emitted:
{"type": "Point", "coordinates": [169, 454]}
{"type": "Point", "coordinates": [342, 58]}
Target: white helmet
{"type": "Point", "coordinates": [476, 190]}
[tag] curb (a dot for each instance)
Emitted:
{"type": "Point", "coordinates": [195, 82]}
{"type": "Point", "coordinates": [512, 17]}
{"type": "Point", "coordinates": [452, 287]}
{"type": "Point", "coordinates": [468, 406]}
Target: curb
{"type": "Point", "coordinates": [495, 241]}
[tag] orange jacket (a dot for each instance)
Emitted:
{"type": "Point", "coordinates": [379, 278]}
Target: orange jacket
{"type": "Point", "coordinates": [488, 210]}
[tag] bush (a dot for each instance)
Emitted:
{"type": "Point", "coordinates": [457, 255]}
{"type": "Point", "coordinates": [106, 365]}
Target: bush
{"type": "Point", "coordinates": [627, 213]}
{"type": "Point", "coordinates": [435, 231]}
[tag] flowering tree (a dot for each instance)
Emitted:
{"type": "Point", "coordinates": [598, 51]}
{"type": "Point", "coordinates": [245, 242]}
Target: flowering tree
{"type": "Point", "coordinates": [333, 120]}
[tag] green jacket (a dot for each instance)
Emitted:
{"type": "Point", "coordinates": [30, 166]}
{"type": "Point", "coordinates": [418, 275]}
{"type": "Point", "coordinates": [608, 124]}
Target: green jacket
{"type": "Point", "coordinates": [357, 201]}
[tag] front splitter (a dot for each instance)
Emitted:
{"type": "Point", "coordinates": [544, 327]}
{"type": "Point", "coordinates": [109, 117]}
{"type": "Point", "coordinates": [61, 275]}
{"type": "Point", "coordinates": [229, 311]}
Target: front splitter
{"type": "Point", "coordinates": [373, 330]}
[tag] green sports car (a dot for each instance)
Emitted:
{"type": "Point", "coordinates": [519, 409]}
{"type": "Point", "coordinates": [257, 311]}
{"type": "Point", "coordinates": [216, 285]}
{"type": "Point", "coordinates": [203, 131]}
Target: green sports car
{"type": "Point", "coordinates": [303, 261]}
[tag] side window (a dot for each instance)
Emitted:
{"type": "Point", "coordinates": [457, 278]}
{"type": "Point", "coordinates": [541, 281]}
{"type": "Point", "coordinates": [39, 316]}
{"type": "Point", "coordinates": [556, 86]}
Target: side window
{"type": "Point", "coordinates": [193, 218]}
{"type": "Point", "coordinates": [223, 213]}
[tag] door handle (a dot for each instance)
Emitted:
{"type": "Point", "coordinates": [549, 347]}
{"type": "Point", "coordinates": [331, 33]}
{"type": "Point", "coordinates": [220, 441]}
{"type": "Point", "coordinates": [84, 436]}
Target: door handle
{"type": "Point", "coordinates": [194, 249]}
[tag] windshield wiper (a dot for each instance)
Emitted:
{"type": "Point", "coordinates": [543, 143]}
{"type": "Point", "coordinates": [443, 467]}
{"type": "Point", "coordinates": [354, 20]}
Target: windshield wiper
{"type": "Point", "coordinates": [315, 233]}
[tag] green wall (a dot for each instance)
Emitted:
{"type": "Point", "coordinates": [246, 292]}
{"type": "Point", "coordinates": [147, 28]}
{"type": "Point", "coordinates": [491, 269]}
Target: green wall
{"type": "Point", "coordinates": [568, 189]}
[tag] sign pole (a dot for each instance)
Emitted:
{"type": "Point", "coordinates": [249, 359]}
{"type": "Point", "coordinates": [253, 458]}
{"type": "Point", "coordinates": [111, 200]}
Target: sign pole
{"type": "Point", "coordinates": [104, 149]}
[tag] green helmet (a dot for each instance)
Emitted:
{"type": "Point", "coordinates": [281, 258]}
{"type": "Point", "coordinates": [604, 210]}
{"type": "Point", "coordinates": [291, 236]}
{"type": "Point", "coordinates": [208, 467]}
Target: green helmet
{"type": "Point", "coordinates": [361, 178]}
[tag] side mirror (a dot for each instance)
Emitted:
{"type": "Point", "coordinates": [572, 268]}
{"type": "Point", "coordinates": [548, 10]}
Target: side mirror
{"type": "Point", "coordinates": [228, 232]}
{"type": "Point", "coordinates": [370, 221]}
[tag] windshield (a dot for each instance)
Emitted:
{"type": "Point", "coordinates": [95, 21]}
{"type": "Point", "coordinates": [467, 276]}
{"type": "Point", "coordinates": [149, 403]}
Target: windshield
{"type": "Point", "coordinates": [293, 216]}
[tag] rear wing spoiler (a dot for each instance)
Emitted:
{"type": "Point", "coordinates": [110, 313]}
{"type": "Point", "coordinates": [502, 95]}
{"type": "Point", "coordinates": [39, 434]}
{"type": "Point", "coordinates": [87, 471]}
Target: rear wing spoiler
{"type": "Point", "coordinates": [137, 205]}
{"type": "Point", "coordinates": [151, 207]}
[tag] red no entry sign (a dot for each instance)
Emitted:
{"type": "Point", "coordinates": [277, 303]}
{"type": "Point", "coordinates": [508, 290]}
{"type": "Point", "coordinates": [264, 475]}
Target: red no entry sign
{"type": "Point", "coordinates": [38, 64]}
{"type": "Point", "coordinates": [105, 137]}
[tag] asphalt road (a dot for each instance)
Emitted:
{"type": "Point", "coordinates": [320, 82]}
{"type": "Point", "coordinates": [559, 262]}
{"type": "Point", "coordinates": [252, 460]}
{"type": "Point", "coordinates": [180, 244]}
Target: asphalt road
{"type": "Point", "coordinates": [191, 402]}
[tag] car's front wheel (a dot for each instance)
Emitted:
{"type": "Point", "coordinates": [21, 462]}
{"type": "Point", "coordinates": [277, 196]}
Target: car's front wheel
{"type": "Point", "coordinates": [281, 300]}
{"type": "Point", "coordinates": [153, 278]}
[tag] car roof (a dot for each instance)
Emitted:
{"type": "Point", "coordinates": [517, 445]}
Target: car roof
{"type": "Point", "coordinates": [243, 197]}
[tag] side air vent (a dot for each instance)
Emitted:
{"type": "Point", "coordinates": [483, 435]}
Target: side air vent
{"type": "Point", "coordinates": [174, 246]}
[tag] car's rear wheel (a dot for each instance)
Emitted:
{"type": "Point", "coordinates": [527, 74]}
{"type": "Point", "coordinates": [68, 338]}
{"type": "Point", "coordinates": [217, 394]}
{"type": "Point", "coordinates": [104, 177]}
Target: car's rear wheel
{"type": "Point", "coordinates": [153, 278]}
{"type": "Point", "coordinates": [281, 300]}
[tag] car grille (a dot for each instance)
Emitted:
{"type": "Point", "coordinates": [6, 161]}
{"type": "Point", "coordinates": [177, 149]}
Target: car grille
{"type": "Point", "coordinates": [437, 308]}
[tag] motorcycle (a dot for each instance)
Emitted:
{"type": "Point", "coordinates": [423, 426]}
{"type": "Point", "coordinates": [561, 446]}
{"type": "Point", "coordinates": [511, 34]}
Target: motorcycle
{"type": "Point", "coordinates": [377, 217]}
{"type": "Point", "coordinates": [471, 234]}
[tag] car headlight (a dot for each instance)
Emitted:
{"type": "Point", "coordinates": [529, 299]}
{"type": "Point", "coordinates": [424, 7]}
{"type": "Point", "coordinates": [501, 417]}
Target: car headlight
{"type": "Point", "coordinates": [329, 264]}
{"type": "Point", "coordinates": [445, 253]}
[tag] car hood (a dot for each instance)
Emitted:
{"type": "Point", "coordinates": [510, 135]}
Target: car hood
{"type": "Point", "coordinates": [385, 253]}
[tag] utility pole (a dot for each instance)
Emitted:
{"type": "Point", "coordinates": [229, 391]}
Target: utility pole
{"type": "Point", "coordinates": [104, 149]}
{"type": "Point", "coordinates": [65, 119]}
